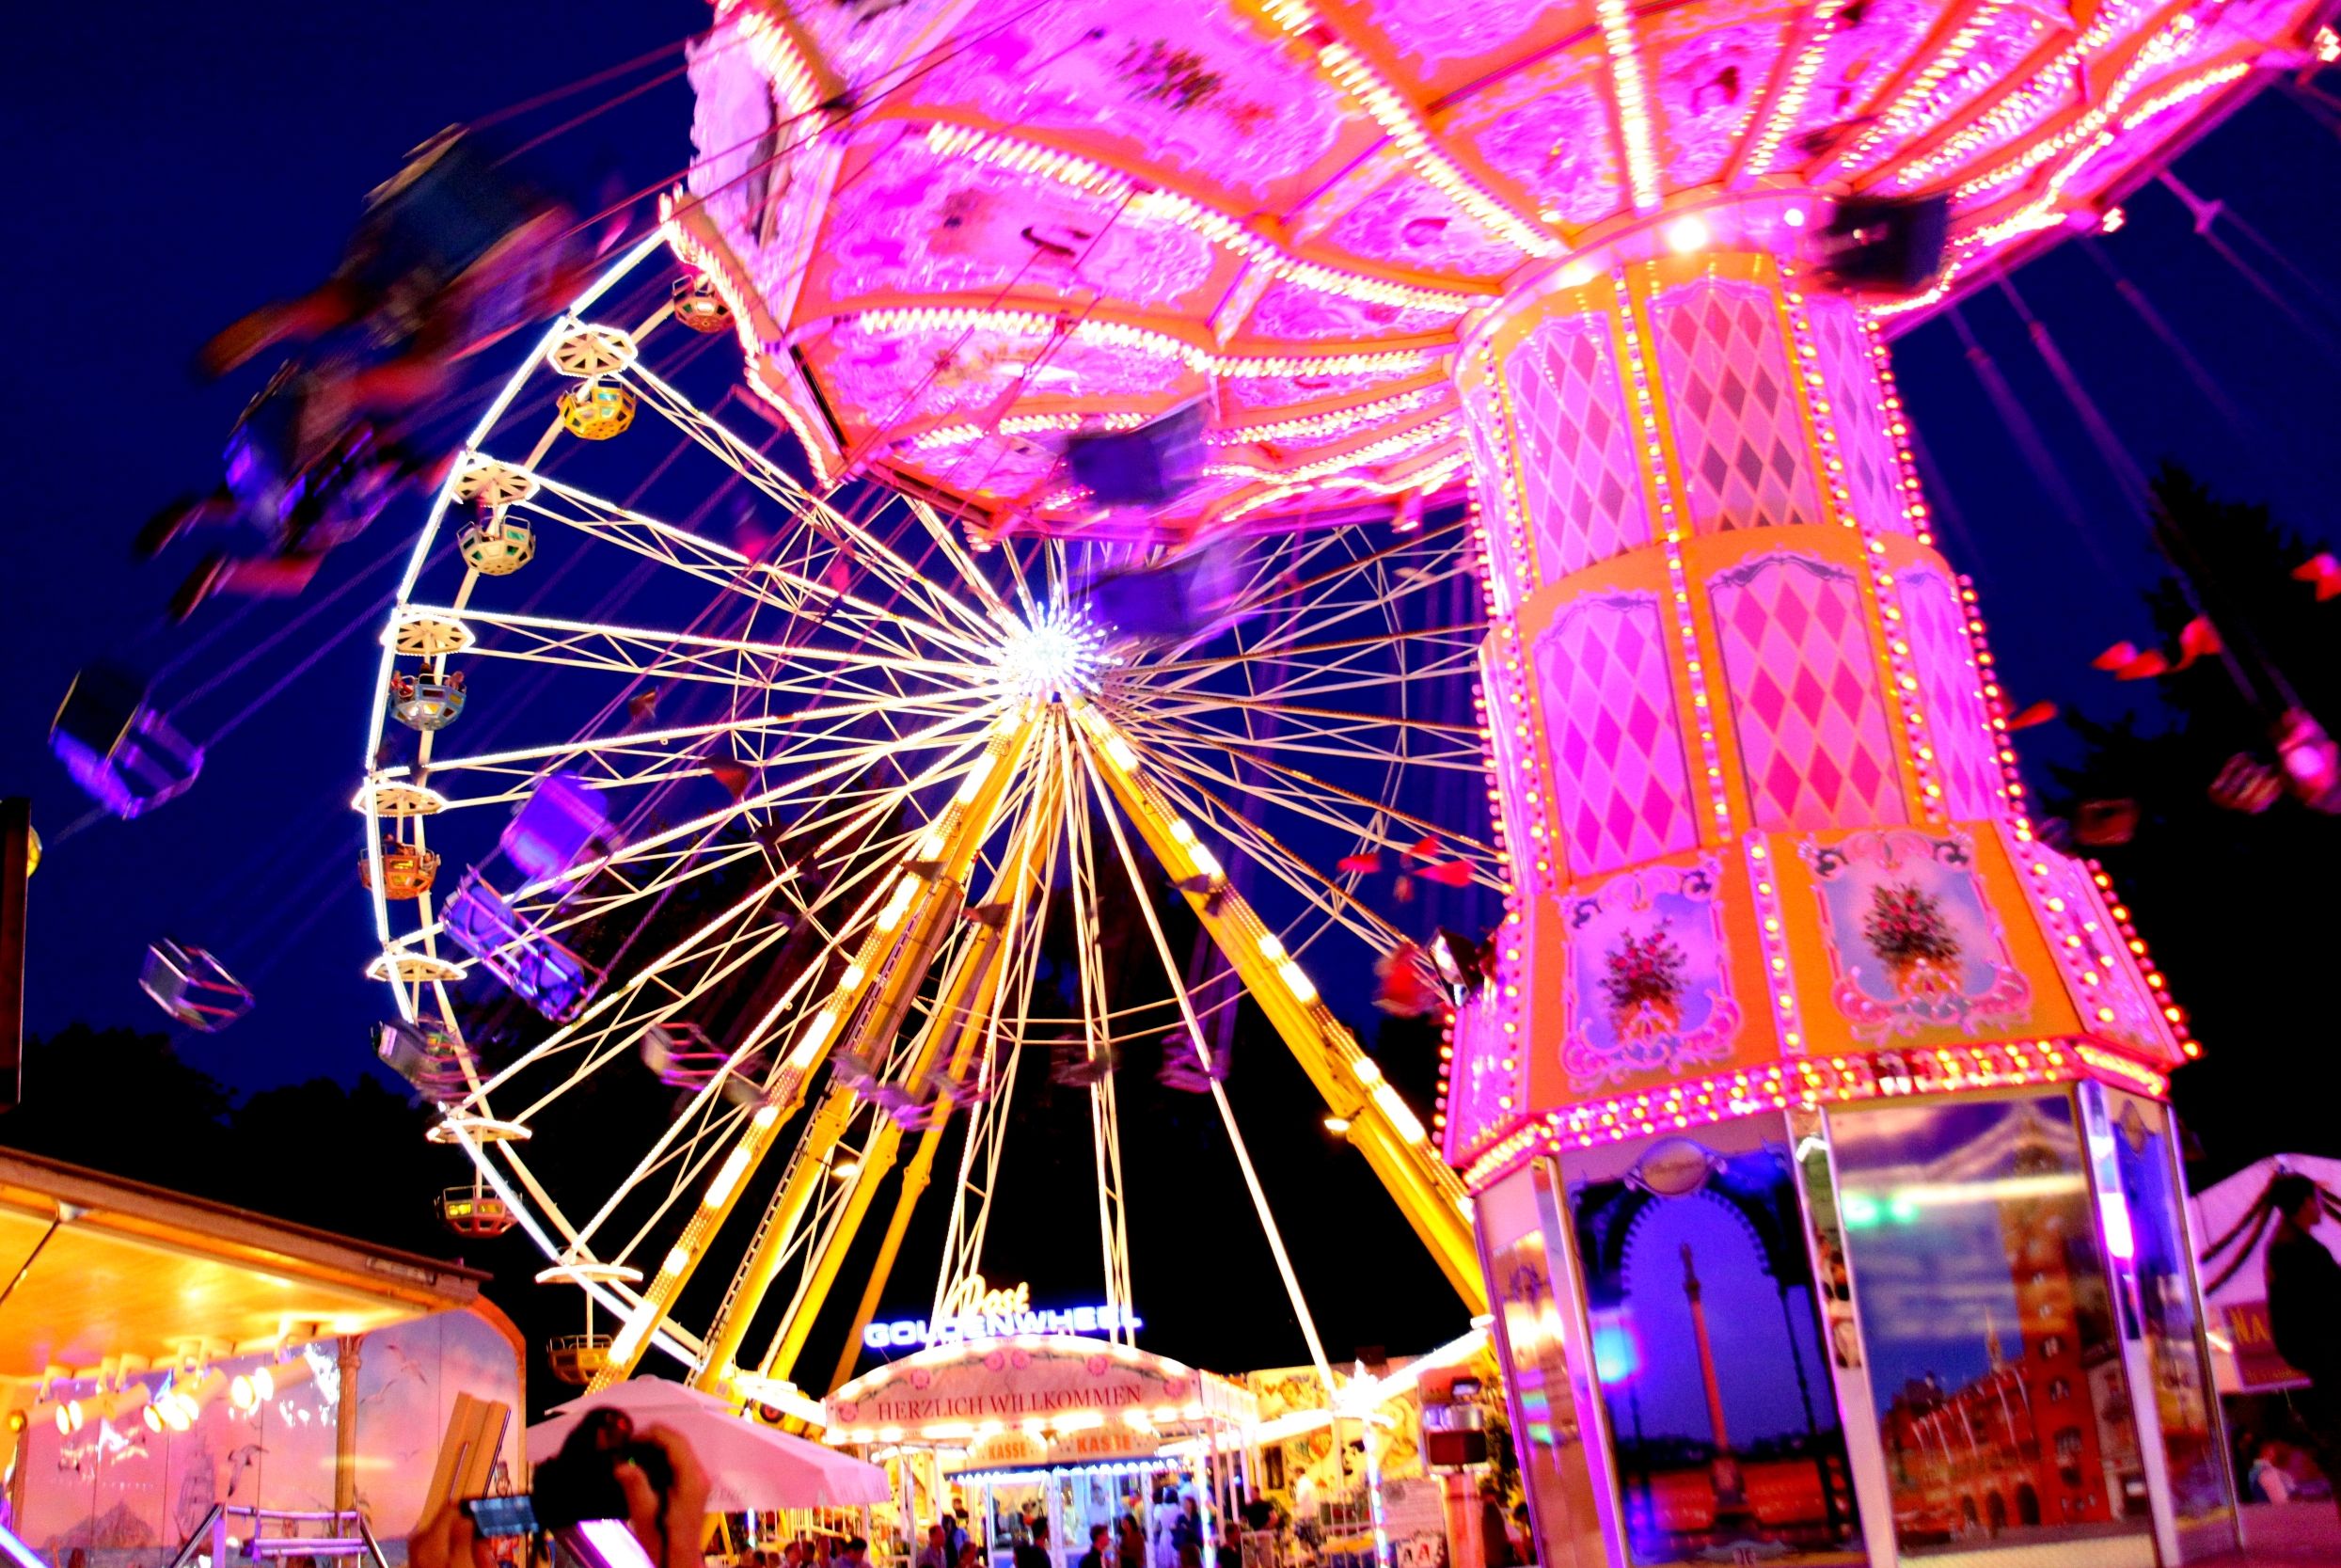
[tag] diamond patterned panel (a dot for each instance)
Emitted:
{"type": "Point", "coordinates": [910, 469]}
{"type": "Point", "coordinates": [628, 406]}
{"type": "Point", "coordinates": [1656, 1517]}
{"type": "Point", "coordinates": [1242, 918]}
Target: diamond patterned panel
{"type": "Point", "coordinates": [1858, 412]}
{"type": "Point", "coordinates": [1577, 448]}
{"type": "Point", "coordinates": [1966, 759]}
{"type": "Point", "coordinates": [1621, 773]}
{"type": "Point", "coordinates": [1493, 479]}
{"type": "Point", "coordinates": [1478, 1083]}
{"type": "Point", "coordinates": [1725, 370]}
{"type": "Point", "coordinates": [1813, 736]}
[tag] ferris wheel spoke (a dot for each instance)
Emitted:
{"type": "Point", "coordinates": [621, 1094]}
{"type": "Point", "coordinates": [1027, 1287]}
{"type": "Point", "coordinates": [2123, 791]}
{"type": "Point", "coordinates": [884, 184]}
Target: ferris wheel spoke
{"type": "Point", "coordinates": [1097, 1042]}
{"type": "Point", "coordinates": [1127, 801]}
{"type": "Point", "coordinates": [903, 913]}
{"type": "Point", "coordinates": [1359, 670]}
{"type": "Point", "coordinates": [690, 1158]}
{"type": "Point", "coordinates": [545, 913]}
{"type": "Point", "coordinates": [1359, 645]}
{"type": "Point", "coordinates": [783, 488]}
{"type": "Point", "coordinates": [806, 588]}
{"type": "Point", "coordinates": [677, 654]}
{"type": "Point", "coordinates": [945, 540]}
{"type": "Point", "coordinates": [606, 1012]}
{"type": "Point", "coordinates": [1310, 598]}
{"type": "Point", "coordinates": [715, 960]}
{"type": "Point", "coordinates": [709, 950]}
{"type": "Point", "coordinates": [988, 1122]}
{"type": "Point", "coordinates": [1312, 573]}
{"type": "Point", "coordinates": [1310, 795]}
{"type": "Point", "coordinates": [1355, 742]}
{"type": "Point", "coordinates": [1254, 845]}
{"type": "Point", "coordinates": [830, 821]}
{"type": "Point", "coordinates": [1358, 632]}
{"type": "Point", "coordinates": [807, 739]}
{"type": "Point", "coordinates": [1202, 707]}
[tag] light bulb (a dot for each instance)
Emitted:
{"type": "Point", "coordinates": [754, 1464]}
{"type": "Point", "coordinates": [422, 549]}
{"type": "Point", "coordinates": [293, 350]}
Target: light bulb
{"type": "Point", "coordinates": [1687, 235]}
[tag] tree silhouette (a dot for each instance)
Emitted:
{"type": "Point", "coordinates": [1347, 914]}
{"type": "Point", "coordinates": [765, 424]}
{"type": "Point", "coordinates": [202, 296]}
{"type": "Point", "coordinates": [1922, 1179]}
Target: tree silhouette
{"type": "Point", "coordinates": [2239, 906]}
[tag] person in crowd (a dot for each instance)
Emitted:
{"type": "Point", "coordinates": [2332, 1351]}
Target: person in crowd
{"type": "Point", "coordinates": [954, 1527]}
{"type": "Point", "coordinates": [1187, 1533]}
{"type": "Point", "coordinates": [1033, 1551]}
{"type": "Point", "coordinates": [1229, 1551]}
{"type": "Point", "coordinates": [1100, 1552]}
{"type": "Point", "coordinates": [2305, 1313]}
{"type": "Point", "coordinates": [970, 1555]}
{"type": "Point", "coordinates": [1167, 1518]}
{"type": "Point", "coordinates": [856, 1553]}
{"type": "Point", "coordinates": [1495, 1540]}
{"type": "Point", "coordinates": [1130, 1544]}
{"type": "Point", "coordinates": [937, 1552]}
{"type": "Point", "coordinates": [2269, 1481]}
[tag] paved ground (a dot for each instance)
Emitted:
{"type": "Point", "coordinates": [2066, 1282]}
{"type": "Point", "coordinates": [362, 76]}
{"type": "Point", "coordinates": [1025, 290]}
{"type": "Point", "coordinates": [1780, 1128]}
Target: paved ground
{"type": "Point", "coordinates": [2286, 1535]}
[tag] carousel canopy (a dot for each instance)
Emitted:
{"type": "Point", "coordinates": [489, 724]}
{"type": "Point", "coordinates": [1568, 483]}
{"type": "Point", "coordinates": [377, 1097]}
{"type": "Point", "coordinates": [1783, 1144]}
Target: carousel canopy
{"type": "Point", "coordinates": [952, 236]}
{"type": "Point", "coordinates": [1035, 1400]}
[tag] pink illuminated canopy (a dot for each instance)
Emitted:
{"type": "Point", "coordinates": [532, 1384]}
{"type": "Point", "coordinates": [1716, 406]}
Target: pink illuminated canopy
{"type": "Point", "coordinates": [953, 233]}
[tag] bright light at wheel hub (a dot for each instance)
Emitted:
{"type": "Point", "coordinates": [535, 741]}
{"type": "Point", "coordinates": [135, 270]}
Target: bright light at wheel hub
{"type": "Point", "coordinates": [1055, 655]}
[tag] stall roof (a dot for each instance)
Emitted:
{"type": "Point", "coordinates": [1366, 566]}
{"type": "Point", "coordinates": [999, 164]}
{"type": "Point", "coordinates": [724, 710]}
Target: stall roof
{"type": "Point", "coordinates": [1088, 1398]}
{"type": "Point", "coordinates": [104, 1268]}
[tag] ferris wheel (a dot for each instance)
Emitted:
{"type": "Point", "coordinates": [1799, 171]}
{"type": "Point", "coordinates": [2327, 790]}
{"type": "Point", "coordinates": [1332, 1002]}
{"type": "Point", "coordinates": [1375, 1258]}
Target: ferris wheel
{"type": "Point", "coordinates": [784, 829]}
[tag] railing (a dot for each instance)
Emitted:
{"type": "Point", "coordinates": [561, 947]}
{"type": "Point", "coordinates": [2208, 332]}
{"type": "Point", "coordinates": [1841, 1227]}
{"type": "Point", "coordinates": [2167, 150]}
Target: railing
{"type": "Point", "coordinates": [346, 1534]}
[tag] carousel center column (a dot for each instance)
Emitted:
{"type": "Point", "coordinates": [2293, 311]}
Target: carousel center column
{"type": "Point", "coordinates": [1769, 852]}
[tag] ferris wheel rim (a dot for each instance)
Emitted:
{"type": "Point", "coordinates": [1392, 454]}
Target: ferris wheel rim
{"type": "Point", "coordinates": [570, 1251]}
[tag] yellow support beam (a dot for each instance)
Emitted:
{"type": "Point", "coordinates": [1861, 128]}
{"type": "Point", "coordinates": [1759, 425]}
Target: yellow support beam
{"type": "Point", "coordinates": [1385, 1128]}
{"type": "Point", "coordinates": [932, 879]}
{"type": "Point", "coordinates": [961, 1013]}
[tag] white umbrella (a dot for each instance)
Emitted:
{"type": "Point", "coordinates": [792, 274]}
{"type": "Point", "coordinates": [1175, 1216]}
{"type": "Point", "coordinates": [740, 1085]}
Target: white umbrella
{"type": "Point", "coordinates": [748, 1465]}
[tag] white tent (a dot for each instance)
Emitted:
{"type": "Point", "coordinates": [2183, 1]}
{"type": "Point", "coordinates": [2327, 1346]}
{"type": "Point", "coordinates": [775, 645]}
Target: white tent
{"type": "Point", "coordinates": [2235, 1277]}
{"type": "Point", "coordinates": [751, 1466]}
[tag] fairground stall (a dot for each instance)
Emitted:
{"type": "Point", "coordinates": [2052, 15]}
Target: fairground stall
{"type": "Point", "coordinates": [2233, 1224]}
{"type": "Point", "coordinates": [1042, 1438]}
{"type": "Point", "coordinates": [2259, 1391]}
{"type": "Point", "coordinates": [186, 1380]}
{"type": "Point", "coordinates": [1407, 1464]}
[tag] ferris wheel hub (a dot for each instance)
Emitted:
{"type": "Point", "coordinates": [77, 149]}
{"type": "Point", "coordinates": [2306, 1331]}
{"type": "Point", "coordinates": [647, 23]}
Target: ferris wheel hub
{"type": "Point", "coordinates": [1057, 653]}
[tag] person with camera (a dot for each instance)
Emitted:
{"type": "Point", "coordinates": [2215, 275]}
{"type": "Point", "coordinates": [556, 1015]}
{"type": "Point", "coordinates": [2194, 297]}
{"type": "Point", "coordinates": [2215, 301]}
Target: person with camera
{"type": "Point", "coordinates": [650, 1479]}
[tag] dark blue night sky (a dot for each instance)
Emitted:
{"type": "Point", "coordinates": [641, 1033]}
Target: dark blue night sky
{"type": "Point", "coordinates": [177, 165]}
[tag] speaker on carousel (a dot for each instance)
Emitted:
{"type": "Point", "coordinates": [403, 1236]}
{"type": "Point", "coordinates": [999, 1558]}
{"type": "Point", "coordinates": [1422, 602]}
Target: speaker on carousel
{"type": "Point", "coordinates": [1884, 245]}
{"type": "Point", "coordinates": [1145, 466]}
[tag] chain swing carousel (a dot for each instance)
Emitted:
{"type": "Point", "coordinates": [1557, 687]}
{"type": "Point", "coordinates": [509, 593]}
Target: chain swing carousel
{"type": "Point", "coordinates": [1809, 1112]}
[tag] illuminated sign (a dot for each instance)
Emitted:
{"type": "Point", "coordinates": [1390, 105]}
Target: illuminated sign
{"type": "Point", "coordinates": [973, 1311]}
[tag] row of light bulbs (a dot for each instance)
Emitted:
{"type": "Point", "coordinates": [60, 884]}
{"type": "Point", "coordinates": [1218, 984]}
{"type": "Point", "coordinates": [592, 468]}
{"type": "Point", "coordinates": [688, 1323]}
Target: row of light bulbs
{"type": "Point", "coordinates": [173, 1408]}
